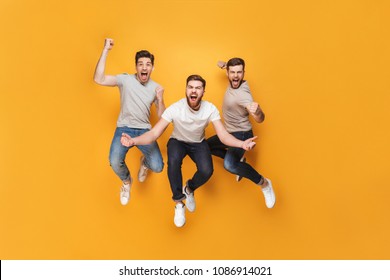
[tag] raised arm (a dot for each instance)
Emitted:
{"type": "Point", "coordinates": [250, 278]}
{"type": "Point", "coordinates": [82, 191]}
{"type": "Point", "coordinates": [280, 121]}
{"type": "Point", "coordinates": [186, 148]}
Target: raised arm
{"type": "Point", "coordinates": [146, 138]}
{"type": "Point", "coordinates": [159, 101]}
{"type": "Point", "coordinates": [100, 77]}
{"type": "Point", "coordinates": [221, 64]}
{"type": "Point", "coordinates": [256, 112]}
{"type": "Point", "coordinates": [230, 140]}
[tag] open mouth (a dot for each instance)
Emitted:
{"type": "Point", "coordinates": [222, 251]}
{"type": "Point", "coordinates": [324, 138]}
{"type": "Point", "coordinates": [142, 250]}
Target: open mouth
{"type": "Point", "coordinates": [144, 75]}
{"type": "Point", "coordinates": [193, 97]}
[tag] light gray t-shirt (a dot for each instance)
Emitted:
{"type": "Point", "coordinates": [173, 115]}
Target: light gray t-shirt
{"type": "Point", "coordinates": [189, 125]}
{"type": "Point", "coordinates": [136, 100]}
{"type": "Point", "coordinates": [235, 114]}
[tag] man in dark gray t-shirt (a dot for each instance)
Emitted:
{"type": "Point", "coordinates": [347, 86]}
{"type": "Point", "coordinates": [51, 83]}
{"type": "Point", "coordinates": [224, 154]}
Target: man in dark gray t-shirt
{"type": "Point", "coordinates": [237, 106]}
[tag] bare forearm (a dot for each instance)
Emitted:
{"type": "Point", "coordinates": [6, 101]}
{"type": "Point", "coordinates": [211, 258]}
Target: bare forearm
{"type": "Point", "coordinates": [145, 139]}
{"type": "Point", "coordinates": [230, 140]}
{"type": "Point", "coordinates": [160, 107]}
{"type": "Point", "coordinates": [259, 117]}
{"type": "Point", "coordinates": [101, 67]}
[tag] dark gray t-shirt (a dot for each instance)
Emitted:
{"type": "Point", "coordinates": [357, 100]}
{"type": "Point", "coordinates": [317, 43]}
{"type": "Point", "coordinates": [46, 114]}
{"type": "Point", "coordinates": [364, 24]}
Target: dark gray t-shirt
{"type": "Point", "coordinates": [234, 110]}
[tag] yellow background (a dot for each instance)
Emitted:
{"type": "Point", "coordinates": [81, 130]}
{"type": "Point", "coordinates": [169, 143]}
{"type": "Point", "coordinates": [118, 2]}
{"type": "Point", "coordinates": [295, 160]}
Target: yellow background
{"type": "Point", "coordinates": [319, 69]}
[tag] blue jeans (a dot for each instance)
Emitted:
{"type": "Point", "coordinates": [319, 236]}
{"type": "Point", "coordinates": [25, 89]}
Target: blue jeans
{"type": "Point", "coordinates": [232, 156]}
{"type": "Point", "coordinates": [153, 159]}
{"type": "Point", "coordinates": [199, 153]}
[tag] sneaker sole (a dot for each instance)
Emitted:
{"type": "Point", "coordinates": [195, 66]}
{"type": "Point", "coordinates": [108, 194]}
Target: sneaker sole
{"type": "Point", "coordinates": [273, 205]}
{"type": "Point", "coordinates": [180, 226]}
{"type": "Point", "coordinates": [141, 180]}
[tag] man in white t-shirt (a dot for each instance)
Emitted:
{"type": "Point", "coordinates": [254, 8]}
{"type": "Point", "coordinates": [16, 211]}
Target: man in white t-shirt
{"type": "Point", "coordinates": [190, 116]}
{"type": "Point", "coordinates": [137, 94]}
{"type": "Point", "coordinates": [237, 106]}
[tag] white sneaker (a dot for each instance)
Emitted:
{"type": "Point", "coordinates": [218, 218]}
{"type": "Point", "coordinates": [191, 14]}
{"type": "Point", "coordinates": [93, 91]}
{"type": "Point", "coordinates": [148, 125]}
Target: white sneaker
{"type": "Point", "coordinates": [125, 193]}
{"type": "Point", "coordinates": [180, 215]}
{"type": "Point", "coordinates": [190, 200]}
{"type": "Point", "coordinates": [269, 194]}
{"type": "Point", "coordinates": [238, 177]}
{"type": "Point", "coordinates": [143, 170]}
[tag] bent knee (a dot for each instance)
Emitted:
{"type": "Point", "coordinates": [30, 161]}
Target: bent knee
{"type": "Point", "coordinates": [157, 167]}
{"type": "Point", "coordinates": [230, 166]}
{"type": "Point", "coordinates": [116, 163]}
{"type": "Point", "coordinates": [207, 172]}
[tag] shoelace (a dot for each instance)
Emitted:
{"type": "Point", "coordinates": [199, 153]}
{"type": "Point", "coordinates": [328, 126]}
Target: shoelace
{"type": "Point", "coordinates": [124, 191]}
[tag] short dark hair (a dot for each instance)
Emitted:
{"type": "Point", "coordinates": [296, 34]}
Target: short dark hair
{"type": "Point", "coordinates": [234, 62]}
{"type": "Point", "coordinates": [144, 53]}
{"type": "Point", "coordinates": [196, 78]}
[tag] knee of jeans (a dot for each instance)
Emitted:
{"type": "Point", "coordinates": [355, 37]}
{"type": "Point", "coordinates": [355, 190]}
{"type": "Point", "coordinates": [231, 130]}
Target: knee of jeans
{"type": "Point", "coordinates": [229, 166]}
{"type": "Point", "coordinates": [207, 172]}
{"type": "Point", "coordinates": [116, 163]}
{"type": "Point", "coordinates": [157, 167]}
{"type": "Point", "coordinates": [174, 162]}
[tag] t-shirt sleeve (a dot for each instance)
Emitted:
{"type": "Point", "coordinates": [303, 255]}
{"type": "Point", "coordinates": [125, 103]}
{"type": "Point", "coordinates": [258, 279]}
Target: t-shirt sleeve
{"type": "Point", "coordinates": [214, 113]}
{"type": "Point", "coordinates": [245, 98]}
{"type": "Point", "coordinates": [168, 114]}
{"type": "Point", "coordinates": [120, 78]}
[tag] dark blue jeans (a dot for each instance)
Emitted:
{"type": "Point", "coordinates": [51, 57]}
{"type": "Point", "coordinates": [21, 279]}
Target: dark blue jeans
{"type": "Point", "coordinates": [200, 155]}
{"type": "Point", "coordinates": [232, 156]}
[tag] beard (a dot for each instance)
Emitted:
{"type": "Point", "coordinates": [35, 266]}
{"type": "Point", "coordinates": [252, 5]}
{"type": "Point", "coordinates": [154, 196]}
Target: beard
{"type": "Point", "coordinates": [235, 83]}
{"type": "Point", "coordinates": [194, 104]}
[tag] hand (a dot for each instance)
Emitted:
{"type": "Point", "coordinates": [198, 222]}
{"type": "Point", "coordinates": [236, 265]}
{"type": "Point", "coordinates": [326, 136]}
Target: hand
{"type": "Point", "coordinates": [221, 64]}
{"type": "Point", "coordinates": [126, 140]}
{"type": "Point", "coordinates": [254, 108]}
{"type": "Point", "coordinates": [108, 44]}
{"type": "Point", "coordinates": [159, 93]}
{"type": "Point", "coordinates": [249, 144]}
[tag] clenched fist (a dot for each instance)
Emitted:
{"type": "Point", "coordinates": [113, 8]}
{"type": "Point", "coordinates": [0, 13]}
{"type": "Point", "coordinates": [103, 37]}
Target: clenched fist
{"type": "Point", "coordinates": [126, 140]}
{"type": "Point", "coordinates": [108, 43]}
{"type": "Point", "coordinates": [254, 108]}
{"type": "Point", "coordinates": [159, 93]}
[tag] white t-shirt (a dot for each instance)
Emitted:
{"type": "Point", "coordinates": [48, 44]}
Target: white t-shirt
{"type": "Point", "coordinates": [136, 100]}
{"type": "Point", "coordinates": [189, 125]}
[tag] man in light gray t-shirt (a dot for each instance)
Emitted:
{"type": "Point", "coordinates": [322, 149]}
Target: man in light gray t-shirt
{"type": "Point", "coordinates": [137, 94]}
